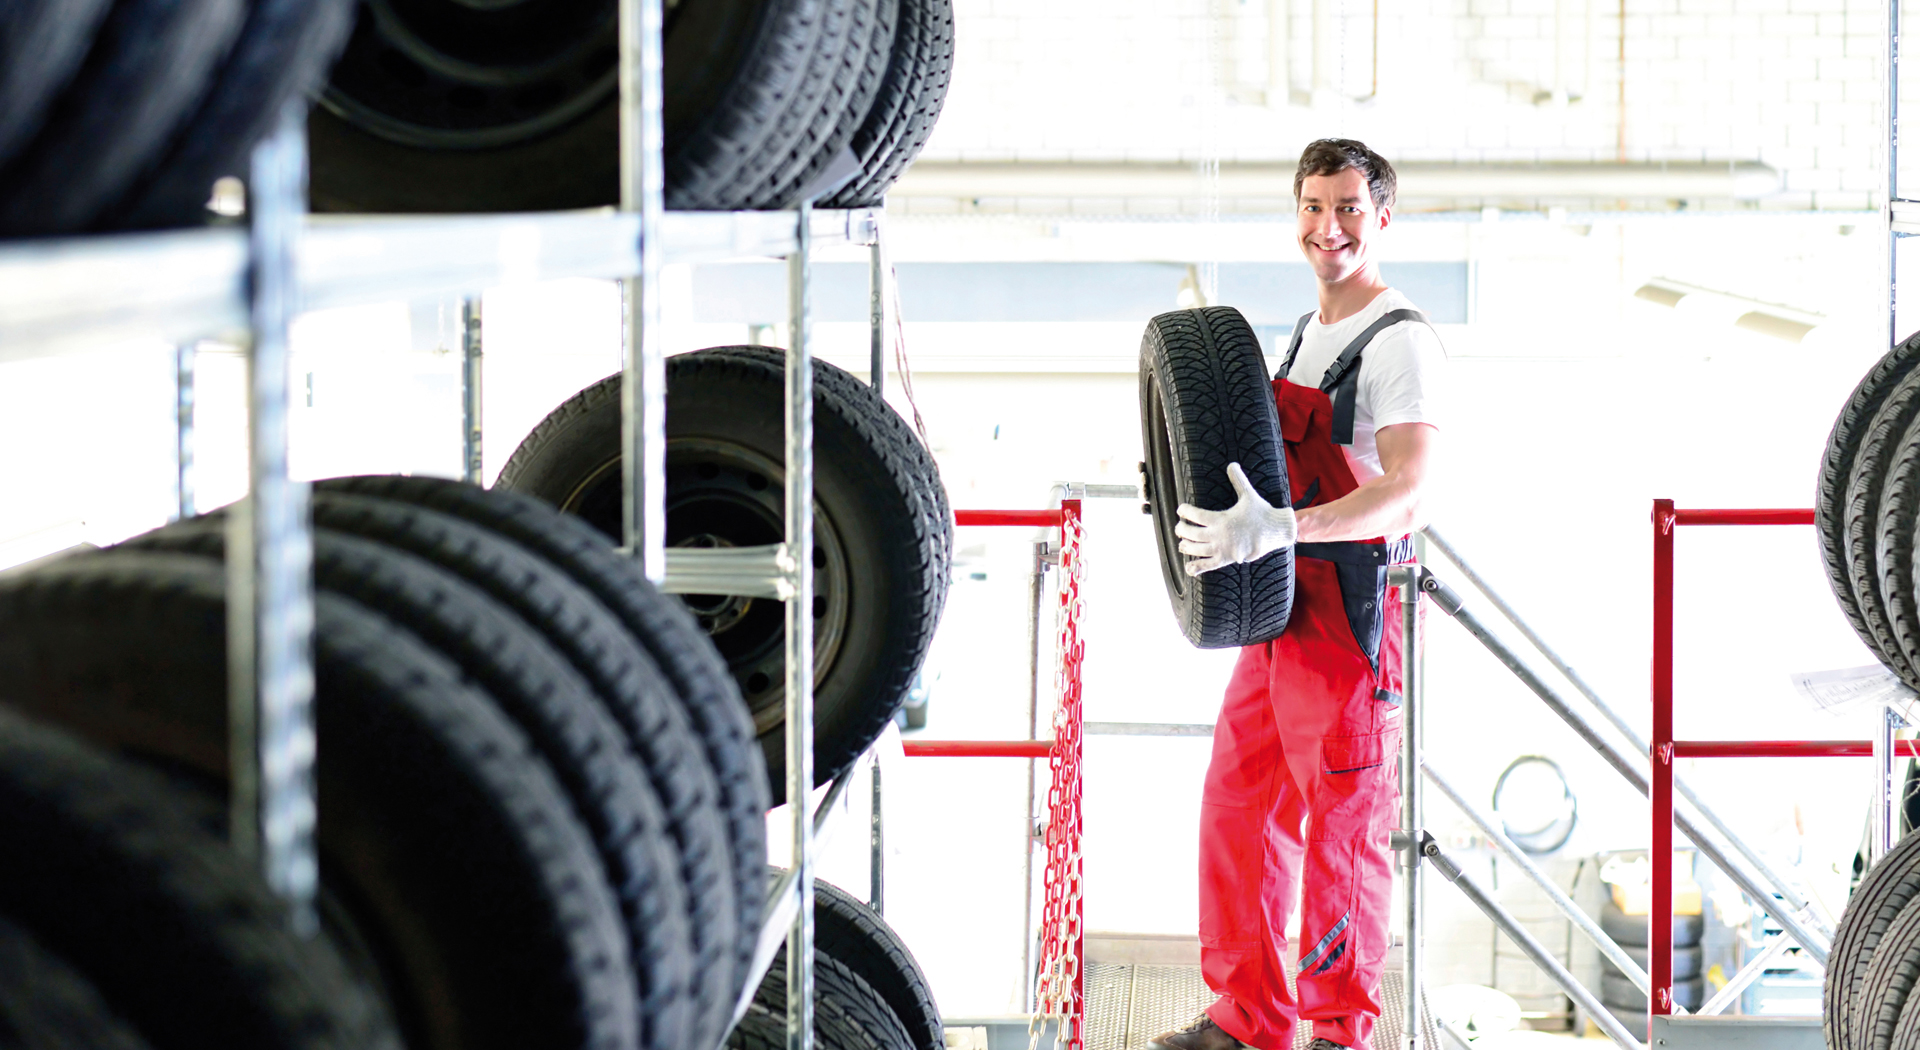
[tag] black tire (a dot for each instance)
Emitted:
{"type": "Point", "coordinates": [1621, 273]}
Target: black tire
{"type": "Point", "coordinates": [1634, 1019]}
{"type": "Point", "coordinates": [848, 389]}
{"type": "Point", "coordinates": [725, 463]}
{"type": "Point", "coordinates": [42, 43]}
{"type": "Point", "coordinates": [1617, 991]}
{"type": "Point", "coordinates": [847, 1013]}
{"type": "Point", "coordinates": [788, 89]}
{"type": "Point", "coordinates": [745, 85]}
{"type": "Point", "coordinates": [47, 1005]}
{"type": "Point", "coordinates": [854, 85]}
{"type": "Point", "coordinates": [1686, 960]}
{"type": "Point", "coordinates": [112, 870]}
{"type": "Point", "coordinates": [444, 840]}
{"type": "Point", "coordinates": [1630, 931]}
{"type": "Point", "coordinates": [1836, 467]}
{"type": "Point", "coordinates": [626, 682]}
{"type": "Point", "coordinates": [1894, 539]}
{"type": "Point", "coordinates": [354, 170]}
{"type": "Point", "coordinates": [549, 701]}
{"type": "Point", "coordinates": [151, 63]}
{"type": "Point", "coordinates": [1861, 518]}
{"type": "Point", "coordinates": [1886, 891]}
{"type": "Point", "coordinates": [849, 931]}
{"type": "Point", "coordinates": [909, 103]}
{"type": "Point", "coordinates": [1888, 983]}
{"type": "Point", "coordinates": [1906, 1034]}
{"type": "Point", "coordinates": [663, 627]}
{"type": "Point", "coordinates": [1205, 402]}
{"type": "Point", "coordinates": [283, 52]}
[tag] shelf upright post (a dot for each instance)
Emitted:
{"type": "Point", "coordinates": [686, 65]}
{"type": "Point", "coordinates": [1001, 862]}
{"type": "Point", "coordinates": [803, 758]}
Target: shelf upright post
{"type": "Point", "coordinates": [270, 556]}
{"type": "Point", "coordinates": [643, 386]}
{"type": "Point", "coordinates": [1891, 81]}
{"type": "Point", "coordinates": [879, 274]}
{"type": "Point", "coordinates": [1411, 579]}
{"type": "Point", "coordinates": [799, 508]}
{"type": "Point", "coordinates": [877, 846]}
{"type": "Point", "coordinates": [471, 464]}
{"type": "Point", "coordinates": [185, 359]}
{"type": "Point", "coordinates": [1885, 831]}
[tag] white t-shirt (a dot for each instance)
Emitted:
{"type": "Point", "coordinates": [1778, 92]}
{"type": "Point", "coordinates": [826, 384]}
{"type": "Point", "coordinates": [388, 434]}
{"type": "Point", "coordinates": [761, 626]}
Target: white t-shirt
{"type": "Point", "coordinates": [1400, 380]}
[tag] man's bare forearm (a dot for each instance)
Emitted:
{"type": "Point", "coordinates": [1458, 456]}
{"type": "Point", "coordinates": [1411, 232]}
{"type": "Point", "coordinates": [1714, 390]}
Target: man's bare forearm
{"type": "Point", "coordinates": [1384, 506]}
{"type": "Point", "coordinates": [1389, 505]}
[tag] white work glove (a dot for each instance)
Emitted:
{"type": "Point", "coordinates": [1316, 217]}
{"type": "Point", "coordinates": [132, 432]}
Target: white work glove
{"type": "Point", "coordinates": [1247, 531]}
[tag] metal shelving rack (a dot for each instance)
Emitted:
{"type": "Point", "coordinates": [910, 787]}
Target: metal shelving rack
{"type": "Point", "coordinates": [245, 284]}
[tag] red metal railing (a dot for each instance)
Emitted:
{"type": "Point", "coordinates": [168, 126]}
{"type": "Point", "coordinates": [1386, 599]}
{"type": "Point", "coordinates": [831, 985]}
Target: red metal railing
{"type": "Point", "coordinates": [1665, 748]}
{"type": "Point", "coordinates": [993, 748]}
{"type": "Point", "coordinates": [1062, 988]}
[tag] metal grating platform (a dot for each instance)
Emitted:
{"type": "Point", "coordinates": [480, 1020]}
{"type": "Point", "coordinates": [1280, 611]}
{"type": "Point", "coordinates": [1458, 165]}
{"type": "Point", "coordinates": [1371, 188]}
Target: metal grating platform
{"type": "Point", "coordinates": [1128, 1004]}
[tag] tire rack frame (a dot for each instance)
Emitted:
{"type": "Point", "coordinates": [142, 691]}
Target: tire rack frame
{"type": "Point", "coordinates": [1664, 749]}
{"type": "Point", "coordinates": [1062, 931]}
{"type": "Point", "coordinates": [244, 285]}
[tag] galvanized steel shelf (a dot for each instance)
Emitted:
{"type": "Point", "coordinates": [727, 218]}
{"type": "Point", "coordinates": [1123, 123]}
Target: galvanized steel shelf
{"type": "Point", "coordinates": [77, 293]}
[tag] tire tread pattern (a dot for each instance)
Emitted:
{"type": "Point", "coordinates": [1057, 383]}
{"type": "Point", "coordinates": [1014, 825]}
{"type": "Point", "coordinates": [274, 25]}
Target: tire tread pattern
{"type": "Point", "coordinates": [113, 870]}
{"type": "Point", "coordinates": [624, 679]}
{"type": "Point", "coordinates": [1881, 896]}
{"type": "Point", "coordinates": [849, 931]}
{"type": "Point", "coordinates": [549, 701]}
{"type": "Point", "coordinates": [545, 963]}
{"type": "Point", "coordinates": [909, 102]}
{"type": "Point", "coordinates": [1205, 369]}
{"type": "Point", "coordinates": [706, 692]}
{"type": "Point", "coordinates": [1836, 468]}
{"type": "Point", "coordinates": [1861, 519]}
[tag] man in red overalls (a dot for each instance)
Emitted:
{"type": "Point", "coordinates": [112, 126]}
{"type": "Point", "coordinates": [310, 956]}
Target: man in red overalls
{"type": "Point", "coordinates": [1302, 790]}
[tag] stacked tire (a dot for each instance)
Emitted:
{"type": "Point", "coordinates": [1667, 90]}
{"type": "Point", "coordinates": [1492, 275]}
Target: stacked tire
{"type": "Point", "coordinates": [1868, 998]}
{"type": "Point", "coordinates": [1626, 1002]}
{"type": "Point", "coordinates": [869, 992]}
{"type": "Point", "coordinates": [883, 530]}
{"type": "Point", "coordinates": [1867, 510]}
{"type": "Point", "coordinates": [540, 808]}
{"type": "Point", "coordinates": [121, 114]}
{"type": "Point", "coordinates": [444, 105]}
{"type": "Point", "coordinates": [1205, 402]}
{"type": "Point", "coordinates": [126, 925]}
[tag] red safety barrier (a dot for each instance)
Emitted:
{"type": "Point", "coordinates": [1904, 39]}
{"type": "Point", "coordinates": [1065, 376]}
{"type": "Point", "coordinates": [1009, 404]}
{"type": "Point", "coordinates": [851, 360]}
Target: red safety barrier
{"type": "Point", "coordinates": [1037, 518]}
{"type": "Point", "coordinates": [1062, 985]}
{"type": "Point", "coordinates": [979, 748]}
{"type": "Point", "coordinates": [1741, 517]}
{"type": "Point", "coordinates": [1787, 748]}
{"type": "Point", "coordinates": [1665, 748]}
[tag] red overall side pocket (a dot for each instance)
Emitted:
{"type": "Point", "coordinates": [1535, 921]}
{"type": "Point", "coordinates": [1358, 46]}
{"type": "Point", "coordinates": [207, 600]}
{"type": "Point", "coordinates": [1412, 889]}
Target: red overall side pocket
{"type": "Point", "coordinates": [1358, 785]}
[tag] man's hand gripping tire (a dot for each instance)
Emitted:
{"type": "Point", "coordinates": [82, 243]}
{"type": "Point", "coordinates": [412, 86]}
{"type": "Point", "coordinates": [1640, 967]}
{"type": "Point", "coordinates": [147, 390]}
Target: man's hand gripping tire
{"type": "Point", "coordinates": [1249, 530]}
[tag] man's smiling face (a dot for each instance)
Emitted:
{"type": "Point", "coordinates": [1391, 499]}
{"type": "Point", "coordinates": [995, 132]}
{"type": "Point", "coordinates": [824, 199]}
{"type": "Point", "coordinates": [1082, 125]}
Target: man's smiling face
{"type": "Point", "coordinates": [1337, 223]}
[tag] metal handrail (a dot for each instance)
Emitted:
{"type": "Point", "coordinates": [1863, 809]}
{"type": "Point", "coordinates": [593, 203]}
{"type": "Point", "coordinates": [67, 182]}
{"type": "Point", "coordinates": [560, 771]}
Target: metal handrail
{"type": "Point", "coordinates": [1666, 517]}
{"type": "Point", "coordinates": [1779, 884]}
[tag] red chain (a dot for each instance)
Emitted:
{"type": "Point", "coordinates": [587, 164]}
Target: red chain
{"type": "Point", "coordinates": [1062, 980]}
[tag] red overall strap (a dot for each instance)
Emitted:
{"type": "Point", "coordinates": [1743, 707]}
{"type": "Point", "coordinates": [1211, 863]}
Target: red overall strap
{"type": "Point", "coordinates": [1318, 473]}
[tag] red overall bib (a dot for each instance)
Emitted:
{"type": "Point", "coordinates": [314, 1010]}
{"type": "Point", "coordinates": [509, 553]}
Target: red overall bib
{"type": "Point", "coordinates": [1303, 786]}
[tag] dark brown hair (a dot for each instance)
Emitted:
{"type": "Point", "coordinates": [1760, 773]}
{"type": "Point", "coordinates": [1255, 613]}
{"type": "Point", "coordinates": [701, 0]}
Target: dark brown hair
{"type": "Point", "coordinates": [1332, 156]}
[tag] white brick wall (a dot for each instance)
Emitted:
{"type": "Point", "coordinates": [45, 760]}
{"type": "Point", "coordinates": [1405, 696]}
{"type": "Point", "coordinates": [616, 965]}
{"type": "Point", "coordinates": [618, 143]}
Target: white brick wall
{"type": "Point", "coordinates": [1794, 84]}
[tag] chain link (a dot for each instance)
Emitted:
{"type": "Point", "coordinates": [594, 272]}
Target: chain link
{"type": "Point", "coordinates": [1062, 993]}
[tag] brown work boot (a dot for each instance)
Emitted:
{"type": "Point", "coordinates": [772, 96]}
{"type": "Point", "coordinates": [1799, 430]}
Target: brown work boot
{"type": "Point", "coordinates": [1202, 1034]}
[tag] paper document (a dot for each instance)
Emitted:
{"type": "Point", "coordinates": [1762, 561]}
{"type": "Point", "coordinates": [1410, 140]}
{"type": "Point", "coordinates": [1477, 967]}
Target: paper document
{"type": "Point", "coordinates": [1839, 691]}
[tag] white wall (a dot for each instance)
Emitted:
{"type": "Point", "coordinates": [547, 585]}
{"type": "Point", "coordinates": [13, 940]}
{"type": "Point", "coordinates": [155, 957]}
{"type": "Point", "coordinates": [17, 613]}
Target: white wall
{"type": "Point", "coordinates": [1793, 84]}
